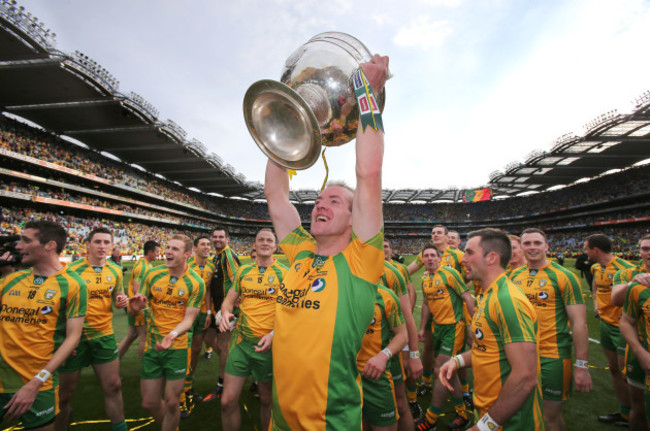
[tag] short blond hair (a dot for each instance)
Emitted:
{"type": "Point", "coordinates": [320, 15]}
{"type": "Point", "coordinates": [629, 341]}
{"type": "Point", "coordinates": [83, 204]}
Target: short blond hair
{"type": "Point", "coordinates": [185, 239]}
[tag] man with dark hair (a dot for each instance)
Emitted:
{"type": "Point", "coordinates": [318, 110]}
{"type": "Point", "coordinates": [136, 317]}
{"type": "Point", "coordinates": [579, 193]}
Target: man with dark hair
{"type": "Point", "coordinates": [226, 264]}
{"type": "Point", "coordinates": [556, 294]}
{"type": "Point", "coordinates": [41, 322]}
{"type": "Point", "coordinates": [327, 300]}
{"type": "Point", "coordinates": [257, 284]}
{"type": "Point", "coordinates": [137, 325]}
{"type": "Point", "coordinates": [598, 248]}
{"type": "Point", "coordinates": [174, 294]}
{"type": "Point", "coordinates": [97, 346]}
{"type": "Point", "coordinates": [202, 265]}
{"type": "Point", "coordinates": [504, 356]}
{"type": "Point", "coordinates": [444, 293]}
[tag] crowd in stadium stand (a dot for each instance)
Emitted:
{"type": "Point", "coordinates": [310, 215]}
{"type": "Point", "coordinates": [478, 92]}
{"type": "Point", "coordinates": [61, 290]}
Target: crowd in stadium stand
{"type": "Point", "coordinates": [24, 140]}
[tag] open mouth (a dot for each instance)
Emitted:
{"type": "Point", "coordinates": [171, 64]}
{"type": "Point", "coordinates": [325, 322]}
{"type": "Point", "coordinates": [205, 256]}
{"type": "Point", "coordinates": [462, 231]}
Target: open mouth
{"type": "Point", "coordinates": [321, 218]}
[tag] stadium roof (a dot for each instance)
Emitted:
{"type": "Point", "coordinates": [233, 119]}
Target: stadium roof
{"type": "Point", "coordinates": [71, 95]}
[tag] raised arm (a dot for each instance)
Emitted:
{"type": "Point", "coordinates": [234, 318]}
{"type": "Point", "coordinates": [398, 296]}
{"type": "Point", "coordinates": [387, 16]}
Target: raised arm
{"type": "Point", "coordinates": [367, 218]}
{"type": "Point", "coordinates": [283, 214]}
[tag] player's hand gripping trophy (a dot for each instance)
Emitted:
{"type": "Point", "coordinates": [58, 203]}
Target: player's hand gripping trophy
{"type": "Point", "coordinates": [314, 104]}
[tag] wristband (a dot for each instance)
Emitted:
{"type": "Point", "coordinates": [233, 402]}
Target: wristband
{"type": "Point", "coordinates": [43, 375]}
{"type": "Point", "coordinates": [174, 333]}
{"type": "Point", "coordinates": [414, 354]}
{"type": "Point", "coordinates": [582, 364]}
{"type": "Point", "coordinates": [387, 352]}
{"type": "Point", "coordinates": [368, 107]}
{"type": "Point", "coordinates": [272, 332]}
{"type": "Point", "coordinates": [209, 312]}
{"type": "Point", "coordinates": [460, 361]}
{"type": "Point", "coordinates": [486, 423]}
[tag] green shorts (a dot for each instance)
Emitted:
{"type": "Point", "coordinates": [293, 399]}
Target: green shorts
{"type": "Point", "coordinates": [396, 368]}
{"type": "Point", "coordinates": [633, 371]}
{"type": "Point", "coordinates": [379, 404]}
{"type": "Point", "coordinates": [199, 323]}
{"type": "Point", "coordinates": [556, 378]}
{"type": "Point", "coordinates": [611, 339]}
{"type": "Point", "coordinates": [42, 412]}
{"type": "Point", "coordinates": [448, 339]}
{"type": "Point", "coordinates": [171, 364]}
{"type": "Point", "coordinates": [244, 361]}
{"type": "Point", "coordinates": [91, 352]}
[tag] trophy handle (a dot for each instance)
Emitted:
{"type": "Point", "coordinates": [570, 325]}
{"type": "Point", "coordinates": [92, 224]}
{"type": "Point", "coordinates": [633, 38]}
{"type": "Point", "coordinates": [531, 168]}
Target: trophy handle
{"type": "Point", "coordinates": [282, 124]}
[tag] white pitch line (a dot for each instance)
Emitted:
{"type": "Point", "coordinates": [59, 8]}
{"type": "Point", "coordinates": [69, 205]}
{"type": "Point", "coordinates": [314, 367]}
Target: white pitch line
{"type": "Point", "coordinates": [594, 341]}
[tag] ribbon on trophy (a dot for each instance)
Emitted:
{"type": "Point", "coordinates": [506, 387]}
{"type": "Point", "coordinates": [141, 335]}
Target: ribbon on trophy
{"type": "Point", "coordinates": [368, 107]}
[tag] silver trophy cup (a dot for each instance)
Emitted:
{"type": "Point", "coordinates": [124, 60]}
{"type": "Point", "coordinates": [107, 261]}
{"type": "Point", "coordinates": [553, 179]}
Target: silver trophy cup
{"type": "Point", "coordinates": [312, 105]}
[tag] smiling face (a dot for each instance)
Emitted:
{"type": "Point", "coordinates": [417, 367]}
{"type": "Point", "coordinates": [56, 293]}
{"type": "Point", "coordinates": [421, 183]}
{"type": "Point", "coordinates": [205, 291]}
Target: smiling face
{"type": "Point", "coordinates": [265, 243]}
{"type": "Point", "coordinates": [534, 246]}
{"type": "Point", "coordinates": [203, 248]}
{"type": "Point", "coordinates": [219, 239]}
{"type": "Point", "coordinates": [99, 246]}
{"type": "Point", "coordinates": [431, 259]}
{"type": "Point", "coordinates": [439, 237]}
{"type": "Point", "coordinates": [175, 254]}
{"type": "Point", "coordinates": [332, 213]}
{"type": "Point", "coordinates": [30, 248]}
{"type": "Point", "coordinates": [453, 239]}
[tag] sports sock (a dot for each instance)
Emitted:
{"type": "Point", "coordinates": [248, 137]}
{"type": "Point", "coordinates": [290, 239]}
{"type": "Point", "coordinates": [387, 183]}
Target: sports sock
{"type": "Point", "coordinates": [625, 412]}
{"type": "Point", "coordinates": [120, 426]}
{"type": "Point", "coordinates": [427, 377]}
{"type": "Point", "coordinates": [433, 413]}
{"type": "Point", "coordinates": [412, 393]}
{"type": "Point", "coordinates": [459, 406]}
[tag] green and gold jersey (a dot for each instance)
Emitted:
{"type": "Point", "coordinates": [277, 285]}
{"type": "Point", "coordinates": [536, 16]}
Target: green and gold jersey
{"type": "Point", "coordinates": [168, 297]}
{"type": "Point", "coordinates": [205, 272]}
{"type": "Point", "coordinates": [388, 315]}
{"type": "Point", "coordinates": [627, 274]}
{"type": "Point", "coordinates": [137, 272]}
{"type": "Point", "coordinates": [603, 281]}
{"type": "Point", "coordinates": [392, 279]}
{"type": "Point", "coordinates": [637, 306]}
{"type": "Point", "coordinates": [323, 310]}
{"type": "Point", "coordinates": [226, 264]}
{"type": "Point", "coordinates": [442, 290]}
{"type": "Point", "coordinates": [403, 269]}
{"type": "Point", "coordinates": [102, 283]}
{"type": "Point", "coordinates": [550, 289]}
{"type": "Point", "coordinates": [451, 258]}
{"type": "Point", "coordinates": [258, 288]}
{"type": "Point", "coordinates": [33, 314]}
{"type": "Point", "coordinates": [504, 315]}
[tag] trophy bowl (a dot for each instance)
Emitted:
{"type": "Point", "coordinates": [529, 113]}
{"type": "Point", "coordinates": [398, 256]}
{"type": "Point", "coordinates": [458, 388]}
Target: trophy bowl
{"type": "Point", "coordinates": [312, 105]}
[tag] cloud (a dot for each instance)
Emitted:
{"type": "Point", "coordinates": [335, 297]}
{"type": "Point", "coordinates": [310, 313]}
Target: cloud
{"type": "Point", "coordinates": [445, 3]}
{"type": "Point", "coordinates": [421, 32]}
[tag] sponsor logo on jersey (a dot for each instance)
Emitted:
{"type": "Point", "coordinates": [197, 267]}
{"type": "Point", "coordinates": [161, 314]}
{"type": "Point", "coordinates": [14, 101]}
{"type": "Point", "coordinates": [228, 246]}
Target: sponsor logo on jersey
{"type": "Point", "coordinates": [543, 295]}
{"type": "Point", "coordinates": [479, 334]}
{"type": "Point", "coordinates": [271, 290]}
{"type": "Point", "coordinates": [14, 293]}
{"type": "Point", "coordinates": [248, 279]}
{"type": "Point", "coordinates": [180, 303]}
{"type": "Point", "coordinates": [440, 291]}
{"type": "Point", "coordinates": [318, 285]}
{"type": "Point", "coordinates": [110, 288]}
{"type": "Point", "coordinates": [46, 310]}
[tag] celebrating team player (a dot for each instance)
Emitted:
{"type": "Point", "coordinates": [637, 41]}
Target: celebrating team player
{"type": "Point", "coordinates": [250, 351]}
{"type": "Point", "coordinates": [504, 356]}
{"type": "Point", "coordinates": [556, 295]}
{"type": "Point", "coordinates": [327, 300]}
{"type": "Point", "coordinates": [97, 346]}
{"type": "Point", "coordinates": [41, 322]}
{"type": "Point", "coordinates": [174, 294]}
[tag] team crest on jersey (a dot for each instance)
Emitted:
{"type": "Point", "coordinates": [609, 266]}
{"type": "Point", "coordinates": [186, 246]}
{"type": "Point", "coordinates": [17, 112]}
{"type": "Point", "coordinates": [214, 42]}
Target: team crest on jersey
{"type": "Point", "coordinates": [610, 276]}
{"type": "Point", "coordinates": [543, 295]}
{"type": "Point", "coordinates": [271, 278]}
{"type": "Point", "coordinates": [97, 269]}
{"type": "Point", "coordinates": [109, 277]}
{"type": "Point", "coordinates": [479, 334]}
{"type": "Point", "coordinates": [46, 310]}
{"type": "Point", "coordinates": [542, 283]}
{"type": "Point", "coordinates": [181, 292]}
{"type": "Point", "coordinates": [318, 285]}
{"type": "Point", "coordinates": [437, 282]}
{"type": "Point", "coordinates": [448, 258]}
{"type": "Point", "coordinates": [38, 280]}
{"type": "Point", "coordinates": [271, 290]}
{"type": "Point", "coordinates": [49, 293]}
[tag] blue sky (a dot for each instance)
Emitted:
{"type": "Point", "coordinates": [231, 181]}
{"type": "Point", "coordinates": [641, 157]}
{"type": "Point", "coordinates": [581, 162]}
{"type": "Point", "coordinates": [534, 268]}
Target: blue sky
{"type": "Point", "coordinates": [477, 84]}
